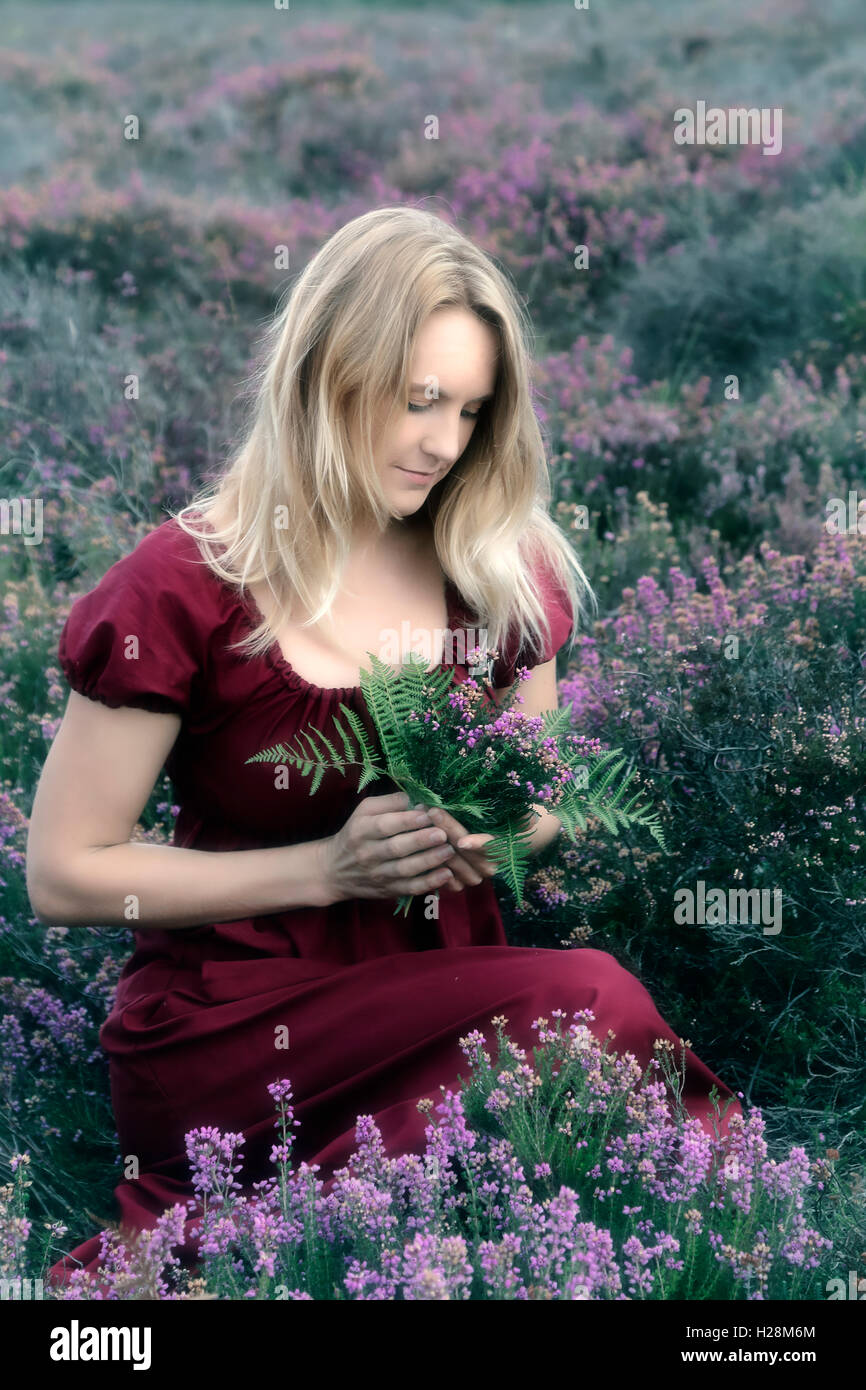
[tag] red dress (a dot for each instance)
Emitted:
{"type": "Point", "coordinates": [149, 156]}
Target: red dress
{"type": "Point", "coordinates": [374, 1003]}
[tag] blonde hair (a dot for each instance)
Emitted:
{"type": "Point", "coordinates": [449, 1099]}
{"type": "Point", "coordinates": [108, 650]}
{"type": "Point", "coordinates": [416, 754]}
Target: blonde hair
{"type": "Point", "coordinates": [338, 354]}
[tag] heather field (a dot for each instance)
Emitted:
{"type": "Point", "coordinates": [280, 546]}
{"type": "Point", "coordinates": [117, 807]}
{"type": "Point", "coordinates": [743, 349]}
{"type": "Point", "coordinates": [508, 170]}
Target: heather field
{"type": "Point", "coordinates": [700, 318]}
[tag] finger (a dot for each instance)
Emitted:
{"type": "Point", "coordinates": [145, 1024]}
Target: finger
{"type": "Point", "coordinates": [425, 883]}
{"type": "Point", "coordinates": [391, 801]}
{"type": "Point", "coordinates": [412, 841]}
{"type": "Point", "coordinates": [457, 834]}
{"type": "Point", "coordinates": [398, 823]}
{"type": "Point", "coordinates": [452, 827]}
{"type": "Point", "coordinates": [473, 842]}
{"type": "Point", "coordinates": [425, 861]}
{"type": "Point", "coordinates": [481, 862]}
{"type": "Point", "coordinates": [466, 873]}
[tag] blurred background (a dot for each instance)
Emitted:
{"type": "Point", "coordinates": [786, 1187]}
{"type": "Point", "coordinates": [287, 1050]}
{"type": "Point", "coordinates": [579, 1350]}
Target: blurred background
{"type": "Point", "coordinates": [701, 387]}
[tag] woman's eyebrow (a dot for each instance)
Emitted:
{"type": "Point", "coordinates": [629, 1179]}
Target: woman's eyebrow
{"type": "Point", "coordinates": [445, 395]}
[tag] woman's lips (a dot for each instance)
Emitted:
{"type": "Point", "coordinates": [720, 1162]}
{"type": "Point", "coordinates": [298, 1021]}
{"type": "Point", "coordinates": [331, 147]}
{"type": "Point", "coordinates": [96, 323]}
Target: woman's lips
{"type": "Point", "coordinates": [421, 478]}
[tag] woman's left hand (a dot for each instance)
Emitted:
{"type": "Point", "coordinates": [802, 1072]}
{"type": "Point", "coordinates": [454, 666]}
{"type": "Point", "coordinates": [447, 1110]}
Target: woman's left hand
{"type": "Point", "coordinates": [469, 864]}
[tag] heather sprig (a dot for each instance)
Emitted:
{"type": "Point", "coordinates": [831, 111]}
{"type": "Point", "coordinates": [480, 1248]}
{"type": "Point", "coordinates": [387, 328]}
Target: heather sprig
{"type": "Point", "coordinates": [450, 746]}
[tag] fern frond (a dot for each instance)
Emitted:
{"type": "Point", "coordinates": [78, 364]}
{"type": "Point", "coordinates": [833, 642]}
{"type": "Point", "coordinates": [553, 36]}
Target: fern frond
{"type": "Point", "coordinates": [277, 754]}
{"type": "Point", "coordinates": [602, 799]}
{"type": "Point", "coordinates": [511, 848]}
{"type": "Point", "coordinates": [371, 765]}
{"type": "Point", "coordinates": [315, 753]}
{"type": "Point", "coordinates": [431, 687]}
{"type": "Point", "coordinates": [557, 721]}
{"type": "Point", "coordinates": [572, 818]}
{"type": "Point", "coordinates": [386, 703]}
{"type": "Point", "coordinates": [348, 747]}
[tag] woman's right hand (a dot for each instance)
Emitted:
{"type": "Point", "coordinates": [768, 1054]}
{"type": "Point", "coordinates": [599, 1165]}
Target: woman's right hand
{"type": "Point", "coordinates": [384, 850]}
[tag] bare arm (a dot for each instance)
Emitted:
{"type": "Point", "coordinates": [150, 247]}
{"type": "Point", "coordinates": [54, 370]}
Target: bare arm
{"type": "Point", "coordinates": [82, 868]}
{"type": "Point", "coordinates": [545, 829]}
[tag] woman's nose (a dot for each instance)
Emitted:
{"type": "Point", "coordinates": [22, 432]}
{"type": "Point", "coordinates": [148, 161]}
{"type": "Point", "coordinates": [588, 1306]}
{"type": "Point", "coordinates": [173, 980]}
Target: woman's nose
{"type": "Point", "coordinates": [442, 439]}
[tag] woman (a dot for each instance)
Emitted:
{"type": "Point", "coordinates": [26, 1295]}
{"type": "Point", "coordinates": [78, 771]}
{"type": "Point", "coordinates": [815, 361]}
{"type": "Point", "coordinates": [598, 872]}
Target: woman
{"type": "Point", "coordinates": [394, 472]}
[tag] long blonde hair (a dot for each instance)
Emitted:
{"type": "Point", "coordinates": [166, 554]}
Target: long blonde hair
{"type": "Point", "coordinates": [336, 355]}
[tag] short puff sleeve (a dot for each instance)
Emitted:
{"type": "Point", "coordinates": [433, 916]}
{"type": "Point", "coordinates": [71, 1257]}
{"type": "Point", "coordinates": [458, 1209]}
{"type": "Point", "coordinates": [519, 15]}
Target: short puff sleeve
{"type": "Point", "coordinates": [555, 602]}
{"type": "Point", "coordinates": [133, 639]}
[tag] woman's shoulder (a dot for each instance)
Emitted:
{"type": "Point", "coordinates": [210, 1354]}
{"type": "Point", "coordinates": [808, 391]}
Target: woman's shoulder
{"type": "Point", "coordinates": [142, 635]}
{"type": "Point", "coordinates": [167, 555]}
{"type": "Point", "coordinates": [168, 565]}
{"type": "Point", "coordinates": [558, 610]}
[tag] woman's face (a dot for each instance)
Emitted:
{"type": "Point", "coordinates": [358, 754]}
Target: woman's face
{"type": "Point", "coordinates": [453, 372]}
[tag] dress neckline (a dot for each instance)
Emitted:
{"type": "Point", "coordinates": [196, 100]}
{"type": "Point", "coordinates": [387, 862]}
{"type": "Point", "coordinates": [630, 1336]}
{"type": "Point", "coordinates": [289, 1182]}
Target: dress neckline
{"type": "Point", "coordinates": [284, 668]}
{"type": "Point", "coordinates": [274, 656]}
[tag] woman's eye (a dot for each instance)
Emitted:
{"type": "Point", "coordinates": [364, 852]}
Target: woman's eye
{"type": "Point", "coordinates": [467, 414]}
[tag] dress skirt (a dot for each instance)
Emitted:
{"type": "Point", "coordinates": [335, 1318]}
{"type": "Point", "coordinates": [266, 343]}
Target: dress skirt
{"type": "Point", "coordinates": [199, 1047]}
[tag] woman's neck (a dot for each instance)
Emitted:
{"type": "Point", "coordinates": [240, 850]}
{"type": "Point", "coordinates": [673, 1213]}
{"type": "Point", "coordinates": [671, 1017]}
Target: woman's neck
{"type": "Point", "coordinates": [371, 541]}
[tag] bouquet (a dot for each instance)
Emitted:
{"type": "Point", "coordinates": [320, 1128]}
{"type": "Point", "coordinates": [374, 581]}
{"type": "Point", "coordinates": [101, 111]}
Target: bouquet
{"type": "Point", "coordinates": [450, 745]}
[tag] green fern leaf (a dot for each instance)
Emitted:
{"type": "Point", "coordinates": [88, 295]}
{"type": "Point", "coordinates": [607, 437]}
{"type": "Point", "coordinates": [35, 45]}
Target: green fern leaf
{"type": "Point", "coordinates": [277, 754]}
{"type": "Point", "coordinates": [511, 848]}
